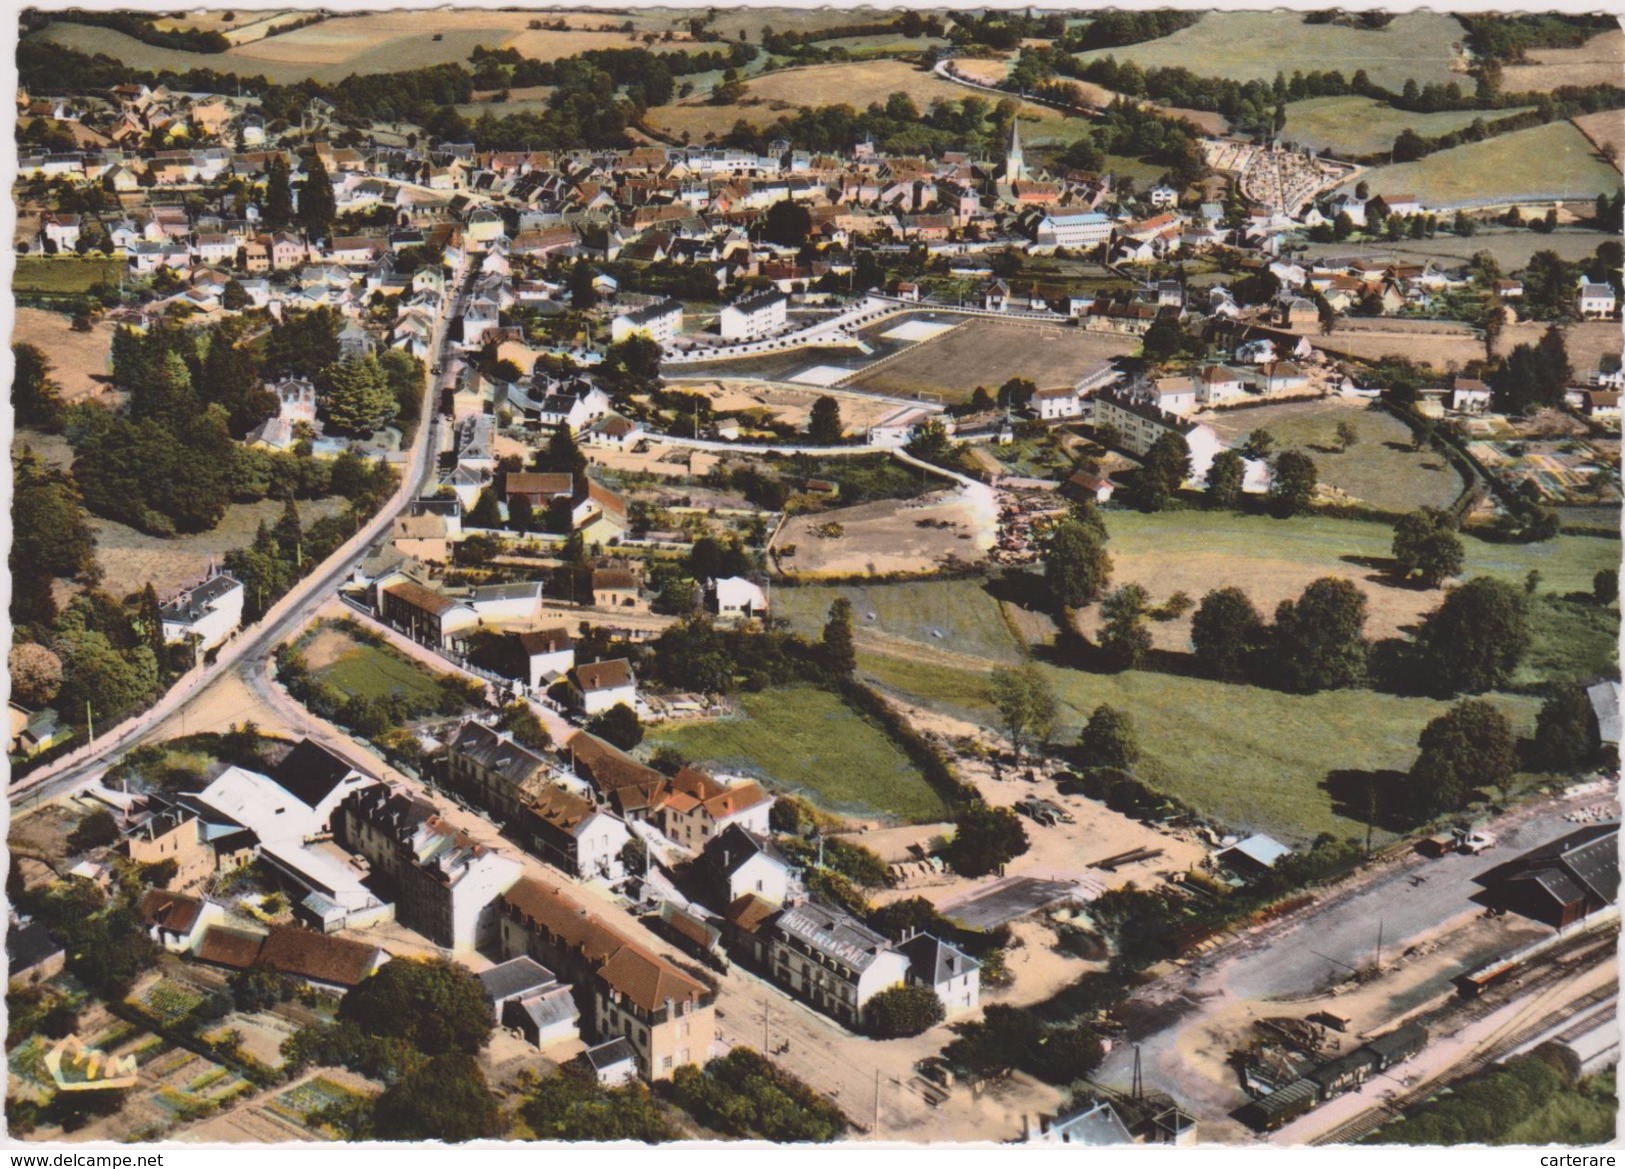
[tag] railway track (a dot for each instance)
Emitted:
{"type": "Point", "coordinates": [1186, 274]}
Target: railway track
{"type": "Point", "coordinates": [1559, 963]}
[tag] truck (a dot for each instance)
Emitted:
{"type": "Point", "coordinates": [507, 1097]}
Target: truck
{"type": "Point", "coordinates": [1477, 841]}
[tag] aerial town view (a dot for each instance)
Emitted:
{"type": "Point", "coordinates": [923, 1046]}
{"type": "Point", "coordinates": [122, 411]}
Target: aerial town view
{"type": "Point", "coordinates": [1035, 576]}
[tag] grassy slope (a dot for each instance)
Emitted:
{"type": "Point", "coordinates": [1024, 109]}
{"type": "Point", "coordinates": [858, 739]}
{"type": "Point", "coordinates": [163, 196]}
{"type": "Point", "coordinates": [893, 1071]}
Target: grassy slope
{"type": "Point", "coordinates": [1256, 45]}
{"type": "Point", "coordinates": [1252, 758]}
{"type": "Point", "coordinates": [807, 740]}
{"type": "Point", "coordinates": [967, 616]}
{"type": "Point", "coordinates": [1360, 125]}
{"type": "Point", "coordinates": [1552, 160]}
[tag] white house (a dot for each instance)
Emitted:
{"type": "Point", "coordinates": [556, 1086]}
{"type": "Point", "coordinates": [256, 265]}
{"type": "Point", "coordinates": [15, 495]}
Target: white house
{"type": "Point", "coordinates": [1163, 196]}
{"type": "Point", "coordinates": [954, 976]}
{"type": "Point", "coordinates": [1175, 395]}
{"type": "Point", "coordinates": [518, 601]}
{"type": "Point", "coordinates": [1058, 403]}
{"type": "Point", "coordinates": [753, 317]}
{"type": "Point", "coordinates": [600, 686]}
{"type": "Point", "coordinates": [211, 612]}
{"type": "Point", "coordinates": [547, 654]}
{"type": "Point", "coordinates": [739, 862]}
{"type": "Point", "coordinates": [570, 833]}
{"type": "Point", "coordinates": [1216, 384]}
{"type": "Point", "coordinates": [734, 596]}
{"type": "Point", "coordinates": [1594, 301]}
{"type": "Point", "coordinates": [660, 322]}
{"type": "Point", "coordinates": [898, 426]}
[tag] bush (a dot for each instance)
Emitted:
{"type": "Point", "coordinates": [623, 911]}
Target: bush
{"type": "Point", "coordinates": [96, 830]}
{"type": "Point", "coordinates": [901, 1012]}
{"type": "Point", "coordinates": [743, 1094]}
{"type": "Point", "coordinates": [985, 839]}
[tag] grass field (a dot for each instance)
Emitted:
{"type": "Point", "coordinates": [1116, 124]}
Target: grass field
{"type": "Point", "coordinates": [368, 671]}
{"type": "Point", "coordinates": [58, 275]}
{"type": "Point", "coordinates": [1573, 641]}
{"type": "Point", "coordinates": [1597, 62]}
{"type": "Point", "coordinates": [129, 559]}
{"type": "Point", "coordinates": [960, 615]}
{"type": "Point", "coordinates": [373, 42]}
{"type": "Point", "coordinates": [1380, 469]}
{"type": "Point", "coordinates": [78, 359]}
{"type": "Point", "coordinates": [856, 84]}
{"type": "Point", "coordinates": [1606, 131]}
{"type": "Point", "coordinates": [1253, 759]}
{"type": "Point", "coordinates": [1247, 46]}
{"type": "Point", "coordinates": [988, 353]}
{"type": "Point", "coordinates": [805, 740]}
{"type": "Point", "coordinates": [1359, 125]}
{"type": "Point", "coordinates": [1551, 161]}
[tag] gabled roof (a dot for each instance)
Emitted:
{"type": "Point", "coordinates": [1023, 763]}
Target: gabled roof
{"type": "Point", "coordinates": [827, 930]}
{"type": "Point", "coordinates": [497, 752]}
{"type": "Point", "coordinates": [734, 847]}
{"type": "Point", "coordinates": [934, 960]}
{"type": "Point", "coordinates": [310, 772]}
{"type": "Point", "coordinates": [610, 675]}
{"type": "Point", "coordinates": [175, 913]}
{"type": "Point", "coordinates": [750, 912]}
{"type": "Point", "coordinates": [517, 976]}
{"type": "Point", "coordinates": [545, 641]}
{"type": "Point", "coordinates": [610, 1055]}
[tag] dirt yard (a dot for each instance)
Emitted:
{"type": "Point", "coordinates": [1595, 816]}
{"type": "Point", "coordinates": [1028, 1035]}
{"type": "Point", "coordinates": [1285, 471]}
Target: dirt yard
{"type": "Point", "coordinates": [985, 352]}
{"type": "Point", "coordinates": [80, 359]}
{"type": "Point", "coordinates": [787, 404]}
{"type": "Point", "coordinates": [1597, 62]}
{"type": "Point", "coordinates": [882, 537]}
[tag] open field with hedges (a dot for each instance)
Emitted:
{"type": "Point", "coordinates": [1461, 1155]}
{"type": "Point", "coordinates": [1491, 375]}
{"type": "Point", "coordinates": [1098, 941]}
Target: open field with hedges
{"type": "Point", "coordinates": [1379, 470]}
{"type": "Point", "coordinates": [63, 275]}
{"type": "Point", "coordinates": [1247, 46]}
{"type": "Point", "coordinates": [1360, 125]}
{"type": "Point", "coordinates": [1551, 161]}
{"type": "Point", "coordinates": [1254, 759]}
{"type": "Point", "coordinates": [805, 740]}
{"type": "Point", "coordinates": [1597, 62]}
{"type": "Point", "coordinates": [369, 671]}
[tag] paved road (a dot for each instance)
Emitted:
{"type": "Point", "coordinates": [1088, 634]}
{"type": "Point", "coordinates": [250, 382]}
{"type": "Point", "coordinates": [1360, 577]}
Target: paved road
{"type": "Point", "coordinates": [1310, 951]}
{"type": "Point", "coordinates": [82, 768]}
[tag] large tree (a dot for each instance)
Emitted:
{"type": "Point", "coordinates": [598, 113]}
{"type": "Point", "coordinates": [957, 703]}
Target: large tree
{"type": "Point", "coordinates": [1318, 642]}
{"type": "Point", "coordinates": [1225, 477]}
{"type": "Point", "coordinates": [1469, 746]}
{"type": "Point", "coordinates": [446, 1099]}
{"type": "Point", "coordinates": [1124, 638]}
{"type": "Point", "coordinates": [36, 674]}
{"type": "Point", "coordinates": [358, 399]}
{"type": "Point", "coordinates": [317, 205]}
{"type": "Point", "coordinates": [35, 395]}
{"type": "Point", "coordinates": [1076, 566]}
{"type": "Point", "coordinates": [1026, 703]}
{"type": "Point", "coordinates": [435, 1005]}
{"type": "Point", "coordinates": [1165, 466]}
{"type": "Point", "coordinates": [902, 1011]}
{"type": "Point", "coordinates": [1292, 487]}
{"type": "Point", "coordinates": [1108, 739]}
{"type": "Point", "coordinates": [1426, 546]}
{"type": "Point", "coordinates": [824, 425]}
{"type": "Point", "coordinates": [985, 839]}
{"type": "Point", "coordinates": [1476, 639]}
{"type": "Point", "coordinates": [562, 454]}
{"type": "Point", "coordinates": [278, 194]}
{"type": "Point", "coordinates": [618, 726]}
{"type": "Point", "coordinates": [1227, 631]}
{"type": "Point", "coordinates": [840, 652]}
{"type": "Point", "coordinates": [1564, 741]}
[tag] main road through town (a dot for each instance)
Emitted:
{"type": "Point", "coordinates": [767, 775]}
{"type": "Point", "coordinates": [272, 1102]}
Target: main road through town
{"type": "Point", "coordinates": [249, 649]}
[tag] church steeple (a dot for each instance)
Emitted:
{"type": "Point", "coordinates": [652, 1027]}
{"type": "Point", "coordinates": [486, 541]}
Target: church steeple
{"type": "Point", "coordinates": [1015, 166]}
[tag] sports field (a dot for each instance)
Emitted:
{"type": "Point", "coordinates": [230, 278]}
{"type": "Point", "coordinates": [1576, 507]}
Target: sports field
{"type": "Point", "coordinates": [1255, 46]}
{"type": "Point", "coordinates": [1254, 759]}
{"type": "Point", "coordinates": [1359, 125]}
{"type": "Point", "coordinates": [984, 352]}
{"type": "Point", "coordinates": [1380, 469]}
{"type": "Point", "coordinates": [1551, 161]}
{"type": "Point", "coordinates": [805, 740]}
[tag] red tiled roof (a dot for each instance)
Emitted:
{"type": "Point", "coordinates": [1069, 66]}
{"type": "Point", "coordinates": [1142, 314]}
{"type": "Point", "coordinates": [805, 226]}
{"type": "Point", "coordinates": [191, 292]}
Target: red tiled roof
{"type": "Point", "coordinates": [230, 948]}
{"type": "Point", "coordinates": [174, 912]}
{"type": "Point", "coordinates": [320, 957]}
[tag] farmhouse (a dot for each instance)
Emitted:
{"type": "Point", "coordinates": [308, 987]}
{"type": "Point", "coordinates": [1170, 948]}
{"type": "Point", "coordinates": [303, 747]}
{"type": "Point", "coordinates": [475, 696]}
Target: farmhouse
{"type": "Point", "coordinates": [1594, 302]}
